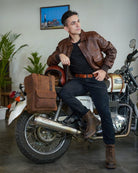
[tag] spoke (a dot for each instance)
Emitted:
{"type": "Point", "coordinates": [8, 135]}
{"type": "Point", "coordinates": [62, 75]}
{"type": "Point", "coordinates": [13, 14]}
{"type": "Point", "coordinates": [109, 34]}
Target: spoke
{"type": "Point", "coordinates": [40, 146]}
{"type": "Point", "coordinates": [43, 140]}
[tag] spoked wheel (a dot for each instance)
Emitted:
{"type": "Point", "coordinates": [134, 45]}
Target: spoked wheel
{"type": "Point", "coordinates": [40, 144]}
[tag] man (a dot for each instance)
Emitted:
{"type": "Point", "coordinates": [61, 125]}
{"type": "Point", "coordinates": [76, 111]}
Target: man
{"type": "Point", "coordinates": [83, 52]}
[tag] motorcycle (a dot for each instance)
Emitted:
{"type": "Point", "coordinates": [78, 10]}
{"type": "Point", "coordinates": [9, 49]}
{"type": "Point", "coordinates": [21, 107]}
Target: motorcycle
{"type": "Point", "coordinates": [45, 137]}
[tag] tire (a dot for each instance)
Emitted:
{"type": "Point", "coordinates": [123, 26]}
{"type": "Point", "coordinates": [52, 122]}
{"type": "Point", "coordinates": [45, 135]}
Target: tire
{"type": "Point", "coordinates": [38, 144]}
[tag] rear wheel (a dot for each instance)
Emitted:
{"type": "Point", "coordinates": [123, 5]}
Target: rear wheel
{"type": "Point", "coordinates": [40, 144]}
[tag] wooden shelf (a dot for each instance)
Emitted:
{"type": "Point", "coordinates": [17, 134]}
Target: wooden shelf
{"type": "Point", "coordinates": [5, 99]}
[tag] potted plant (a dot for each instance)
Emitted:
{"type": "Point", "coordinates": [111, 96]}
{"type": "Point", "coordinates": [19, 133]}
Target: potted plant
{"type": "Point", "coordinates": [36, 66]}
{"type": "Point", "coordinates": [7, 52]}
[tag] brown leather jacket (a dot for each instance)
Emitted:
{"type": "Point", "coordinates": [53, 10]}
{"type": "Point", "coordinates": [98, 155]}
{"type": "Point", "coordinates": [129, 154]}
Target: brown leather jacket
{"type": "Point", "coordinates": [92, 46]}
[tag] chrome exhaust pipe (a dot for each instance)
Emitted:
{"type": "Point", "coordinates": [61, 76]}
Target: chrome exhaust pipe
{"type": "Point", "coordinates": [53, 125]}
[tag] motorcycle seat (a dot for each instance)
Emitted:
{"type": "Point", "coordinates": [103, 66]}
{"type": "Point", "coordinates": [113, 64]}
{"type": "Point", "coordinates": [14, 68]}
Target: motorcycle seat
{"type": "Point", "coordinates": [58, 89]}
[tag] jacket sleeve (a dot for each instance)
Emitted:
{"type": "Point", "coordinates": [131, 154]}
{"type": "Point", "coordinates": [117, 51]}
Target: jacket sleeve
{"type": "Point", "coordinates": [53, 59]}
{"type": "Point", "coordinates": [110, 52]}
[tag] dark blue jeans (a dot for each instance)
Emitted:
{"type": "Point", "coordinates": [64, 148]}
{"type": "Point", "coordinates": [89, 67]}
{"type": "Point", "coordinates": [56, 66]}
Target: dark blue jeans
{"type": "Point", "coordinates": [99, 95]}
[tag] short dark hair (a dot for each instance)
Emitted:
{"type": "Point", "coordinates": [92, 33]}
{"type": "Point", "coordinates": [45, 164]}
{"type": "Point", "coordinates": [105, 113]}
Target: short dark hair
{"type": "Point", "coordinates": [66, 15]}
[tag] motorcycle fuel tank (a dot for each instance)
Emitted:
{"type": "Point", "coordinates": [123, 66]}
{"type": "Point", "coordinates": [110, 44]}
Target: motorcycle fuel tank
{"type": "Point", "coordinates": [115, 83]}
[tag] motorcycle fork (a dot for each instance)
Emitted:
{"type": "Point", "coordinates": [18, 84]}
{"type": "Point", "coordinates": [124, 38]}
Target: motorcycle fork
{"type": "Point", "coordinates": [135, 128]}
{"type": "Point", "coordinates": [135, 115]}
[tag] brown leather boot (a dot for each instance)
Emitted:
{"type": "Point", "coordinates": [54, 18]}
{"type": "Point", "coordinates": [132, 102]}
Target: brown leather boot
{"type": "Point", "coordinates": [110, 157]}
{"type": "Point", "coordinates": [92, 123]}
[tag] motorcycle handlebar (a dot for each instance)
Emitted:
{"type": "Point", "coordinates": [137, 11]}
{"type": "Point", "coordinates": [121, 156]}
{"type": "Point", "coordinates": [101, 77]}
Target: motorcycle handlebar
{"type": "Point", "coordinates": [129, 57]}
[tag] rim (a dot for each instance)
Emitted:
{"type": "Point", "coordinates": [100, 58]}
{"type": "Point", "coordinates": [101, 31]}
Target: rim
{"type": "Point", "coordinates": [42, 140]}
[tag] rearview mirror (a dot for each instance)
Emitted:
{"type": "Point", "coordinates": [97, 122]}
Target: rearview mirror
{"type": "Point", "coordinates": [132, 43]}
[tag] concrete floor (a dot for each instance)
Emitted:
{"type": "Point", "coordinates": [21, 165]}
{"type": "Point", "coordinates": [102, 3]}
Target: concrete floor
{"type": "Point", "coordinates": [82, 157]}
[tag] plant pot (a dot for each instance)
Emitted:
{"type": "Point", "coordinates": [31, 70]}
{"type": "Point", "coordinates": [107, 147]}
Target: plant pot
{"type": "Point", "coordinates": [2, 112]}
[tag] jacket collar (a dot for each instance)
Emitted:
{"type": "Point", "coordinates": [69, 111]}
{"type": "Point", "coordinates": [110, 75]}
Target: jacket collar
{"type": "Point", "coordinates": [82, 38]}
{"type": "Point", "coordinates": [83, 35]}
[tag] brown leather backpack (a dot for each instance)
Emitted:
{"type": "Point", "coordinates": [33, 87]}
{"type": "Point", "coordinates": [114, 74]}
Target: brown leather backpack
{"type": "Point", "coordinates": [41, 94]}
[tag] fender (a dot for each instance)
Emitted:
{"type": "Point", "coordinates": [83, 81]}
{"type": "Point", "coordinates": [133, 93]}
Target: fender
{"type": "Point", "coordinates": [17, 111]}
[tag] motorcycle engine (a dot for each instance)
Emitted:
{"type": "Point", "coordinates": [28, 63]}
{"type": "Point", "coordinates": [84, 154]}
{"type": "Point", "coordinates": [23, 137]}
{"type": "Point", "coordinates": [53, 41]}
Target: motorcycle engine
{"type": "Point", "coordinates": [118, 115]}
{"type": "Point", "coordinates": [119, 122]}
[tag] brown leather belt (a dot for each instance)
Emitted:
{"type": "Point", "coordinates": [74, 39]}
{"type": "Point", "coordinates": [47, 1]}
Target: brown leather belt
{"type": "Point", "coordinates": [85, 75]}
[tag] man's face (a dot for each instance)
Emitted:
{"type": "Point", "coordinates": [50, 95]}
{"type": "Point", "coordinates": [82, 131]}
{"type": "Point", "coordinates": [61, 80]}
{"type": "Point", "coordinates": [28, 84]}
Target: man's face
{"type": "Point", "coordinates": [73, 25]}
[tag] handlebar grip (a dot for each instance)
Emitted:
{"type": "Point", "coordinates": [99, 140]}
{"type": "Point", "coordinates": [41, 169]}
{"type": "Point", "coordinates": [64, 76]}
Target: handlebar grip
{"type": "Point", "coordinates": [129, 57]}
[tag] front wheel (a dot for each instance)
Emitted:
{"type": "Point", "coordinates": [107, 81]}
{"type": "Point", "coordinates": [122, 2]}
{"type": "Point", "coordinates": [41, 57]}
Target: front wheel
{"type": "Point", "coordinates": [40, 144]}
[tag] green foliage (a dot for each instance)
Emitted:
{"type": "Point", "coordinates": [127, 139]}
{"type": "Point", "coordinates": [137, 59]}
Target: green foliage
{"type": "Point", "coordinates": [7, 52]}
{"type": "Point", "coordinates": [37, 66]}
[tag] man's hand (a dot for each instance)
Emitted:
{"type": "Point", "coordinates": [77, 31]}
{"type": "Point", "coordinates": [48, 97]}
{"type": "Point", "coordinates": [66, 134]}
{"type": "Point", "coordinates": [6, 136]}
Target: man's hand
{"type": "Point", "coordinates": [100, 75]}
{"type": "Point", "coordinates": [64, 59]}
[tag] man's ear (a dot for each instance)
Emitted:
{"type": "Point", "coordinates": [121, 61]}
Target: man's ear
{"type": "Point", "coordinates": [66, 28]}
